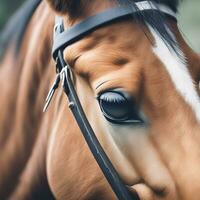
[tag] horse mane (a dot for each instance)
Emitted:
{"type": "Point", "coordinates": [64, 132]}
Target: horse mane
{"type": "Point", "coordinates": [16, 26]}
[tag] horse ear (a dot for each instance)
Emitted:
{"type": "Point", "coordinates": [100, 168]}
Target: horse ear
{"type": "Point", "coordinates": [71, 7]}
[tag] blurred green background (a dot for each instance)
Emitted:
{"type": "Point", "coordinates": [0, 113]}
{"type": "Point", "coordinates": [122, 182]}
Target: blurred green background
{"type": "Point", "coordinates": [189, 22]}
{"type": "Point", "coordinates": [189, 19]}
{"type": "Point", "coordinates": [7, 7]}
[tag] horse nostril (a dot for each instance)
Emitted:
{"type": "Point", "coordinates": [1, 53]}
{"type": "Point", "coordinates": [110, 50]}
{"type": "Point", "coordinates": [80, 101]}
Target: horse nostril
{"type": "Point", "coordinates": [161, 192]}
{"type": "Point", "coordinates": [133, 194]}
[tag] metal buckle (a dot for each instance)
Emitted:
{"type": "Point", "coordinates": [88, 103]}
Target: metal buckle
{"type": "Point", "coordinates": [65, 73]}
{"type": "Point", "coordinates": [51, 92]}
{"type": "Point", "coordinates": [62, 74]}
{"type": "Point", "coordinates": [54, 86]}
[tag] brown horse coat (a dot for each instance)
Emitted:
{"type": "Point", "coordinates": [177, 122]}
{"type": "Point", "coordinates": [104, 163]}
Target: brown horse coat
{"type": "Point", "coordinates": [44, 156]}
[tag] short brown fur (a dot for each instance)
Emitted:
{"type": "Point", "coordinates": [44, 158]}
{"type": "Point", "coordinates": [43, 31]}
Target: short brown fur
{"type": "Point", "coordinates": [44, 156]}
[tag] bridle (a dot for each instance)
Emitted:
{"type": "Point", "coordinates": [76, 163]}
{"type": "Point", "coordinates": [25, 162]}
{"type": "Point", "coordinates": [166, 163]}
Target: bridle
{"type": "Point", "coordinates": [64, 38]}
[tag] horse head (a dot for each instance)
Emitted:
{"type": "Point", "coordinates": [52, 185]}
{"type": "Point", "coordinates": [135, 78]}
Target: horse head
{"type": "Point", "coordinates": [138, 84]}
{"type": "Point", "coordinates": [137, 80]}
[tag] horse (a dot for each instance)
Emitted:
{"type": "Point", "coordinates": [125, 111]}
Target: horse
{"type": "Point", "coordinates": [138, 83]}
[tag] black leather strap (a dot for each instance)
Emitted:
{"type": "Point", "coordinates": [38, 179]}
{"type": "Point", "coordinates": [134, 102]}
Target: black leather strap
{"type": "Point", "coordinates": [78, 31]}
{"type": "Point", "coordinates": [63, 68]}
{"type": "Point", "coordinates": [75, 33]}
{"type": "Point", "coordinates": [64, 38]}
{"type": "Point", "coordinates": [119, 188]}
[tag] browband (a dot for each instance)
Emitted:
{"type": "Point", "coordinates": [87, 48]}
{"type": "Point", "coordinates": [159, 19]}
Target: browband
{"type": "Point", "coordinates": [76, 32]}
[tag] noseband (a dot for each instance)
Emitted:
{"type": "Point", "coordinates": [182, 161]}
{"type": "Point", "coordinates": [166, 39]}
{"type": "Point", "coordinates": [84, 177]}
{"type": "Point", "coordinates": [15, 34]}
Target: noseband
{"type": "Point", "coordinates": [64, 38]}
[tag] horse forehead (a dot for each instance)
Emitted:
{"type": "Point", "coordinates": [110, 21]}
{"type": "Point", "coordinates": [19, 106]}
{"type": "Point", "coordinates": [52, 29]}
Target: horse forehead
{"type": "Point", "coordinates": [109, 50]}
{"type": "Point", "coordinates": [112, 37]}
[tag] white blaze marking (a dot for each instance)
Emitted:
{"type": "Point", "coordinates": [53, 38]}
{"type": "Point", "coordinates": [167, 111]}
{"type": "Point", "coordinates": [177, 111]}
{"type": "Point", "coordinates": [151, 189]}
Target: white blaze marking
{"type": "Point", "coordinates": [178, 72]}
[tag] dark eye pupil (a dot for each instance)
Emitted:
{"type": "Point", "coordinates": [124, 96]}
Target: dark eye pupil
{"type": "Point", "coordinates": [114, 105]}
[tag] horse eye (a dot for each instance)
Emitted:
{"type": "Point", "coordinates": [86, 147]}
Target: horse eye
{"type": "Point", "coordinates": [118, 108]}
